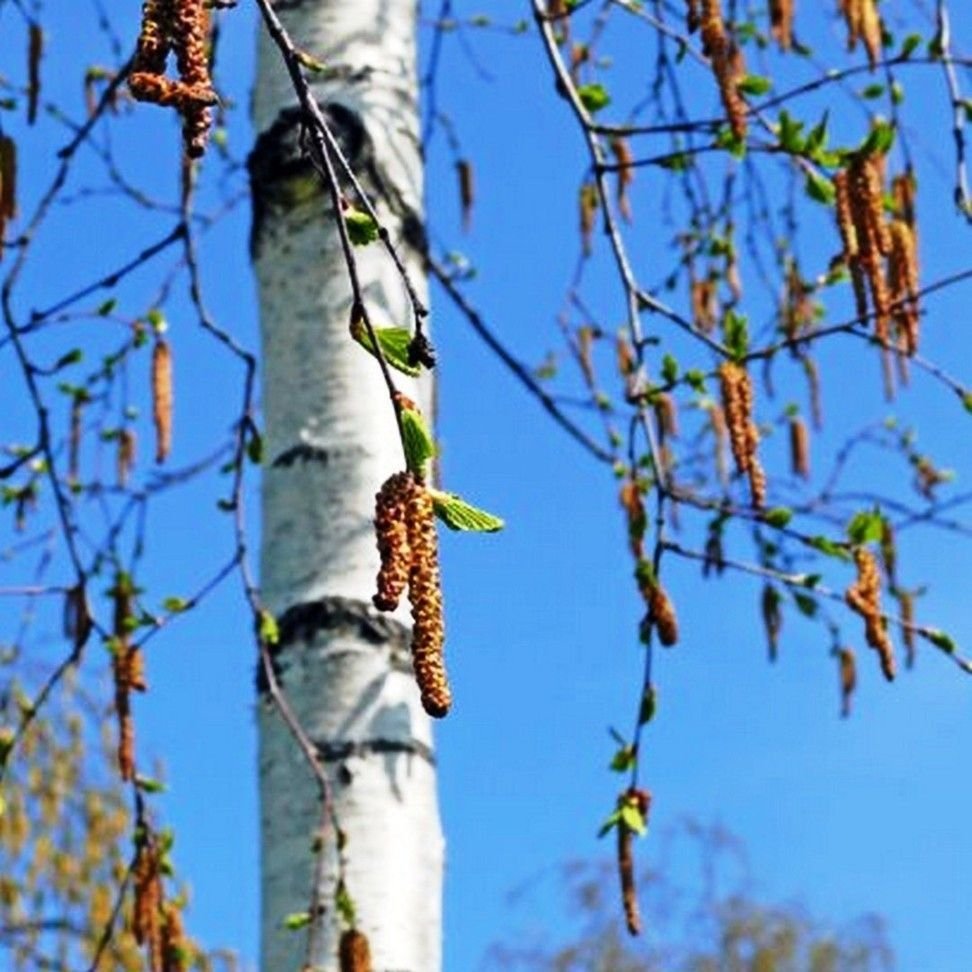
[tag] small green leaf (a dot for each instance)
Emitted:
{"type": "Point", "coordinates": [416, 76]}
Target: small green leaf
{"type": "Point", "coordinates": [624, 759]}
{"type": "Point", "coordinates": [967, 401]}
{"type": "Point", "coordinates": [71, 357]}
{"type": "Point", "coordinates": [880, 140]}
{"type": "Point", "coordinates": [107, 307]}
{"type": "Point", "coordinates": [806, 604]}
{"type": "Point", "coordinates": [457, 514]}
{"type": "Point", "coordinates": [175, 605]}
{"type": "Point", "coordinates": [669, 369]}
{"type": "Point", "coordinates": [362, 228]}
{"type": "Point", "coordinates": [778, 517]}
{"type": "Point", "coordinates": [649, 705]}
{"type": "Point", "coordinates": [696, 379]}
{"type": "Point", "coordinates": [254, 447]}
{"type": "Point", "coordinates": [297, 920]}
{"type": "Point", "coordinates": [149, 785]}
{"type": "Point", "coordinates": [633, 818]}
{"type": "Point", "coordinates": [820, 188]}
{"type": "Point", "coordinates": [866, 527]}
{"type": "Point", "coordinates": [941, 640]}
{"type": "Point", "coordinates": [156, 318]}
{"type": "Point", "coordinates": [675, 162]}
{"type": "Point", "coordinates": [737, 334]}
{"type": "Point", "coordinates": [394, 343]}
{"type": "Point", "coordinates": [872, 91]}
{"type": "Point", "coordinates": [593, 97]}
{"type": "Point", "coordinates": [610, 823]}
{"type": "Point", "coordinates": [416, 440]}
{"type": "Point", "coordinates": [345, 904]}
{"type": "Point", "coordinates": [909, 46]}
{"type": "Point", "coordinates": [269, 630]}
{"type": "Point", "coordinates": [754, 84]}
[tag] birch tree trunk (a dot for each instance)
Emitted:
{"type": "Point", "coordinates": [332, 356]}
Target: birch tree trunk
{"type": "Point", "coordinates": [330, 442]}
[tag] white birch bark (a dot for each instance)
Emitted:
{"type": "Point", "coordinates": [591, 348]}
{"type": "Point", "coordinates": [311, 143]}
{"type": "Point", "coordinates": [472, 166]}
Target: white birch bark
{"type": "Point", "coordinates": [330, 441]}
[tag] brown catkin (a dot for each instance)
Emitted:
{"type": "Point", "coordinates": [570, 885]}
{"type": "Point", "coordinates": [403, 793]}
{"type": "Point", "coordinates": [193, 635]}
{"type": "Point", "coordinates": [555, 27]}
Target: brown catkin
{"type": "Point", "coordinates": [154, 39]}
{"type": "Point", "coordinates": [425, 596]}
{"type": "Point", "coordinates": [903, 282]}
{"type": "Point", "coordinates": [662, 612]}
{"type": "Point", "coordinates": [705, 308]}
{"type": "Point", "coordinates": [162, 399]}
{"type": "Point", "coordinates": [467, 190]}
{"type": "Point", "coordinates": [35, 50]}
{"type": "Point", "coordinates": [728, 65]}
{"type": "Point", "coordinates": [588, 202]}
{"type": "Point", "coordinates": [848, 679]}
{"type": "Point", "coordinates": [622, 155]}
{"type": "Point", "coordinates": [391, 531]}
{"type": "Point", "coordinates": [354, 952]}
{"type": "Point", "coordinates": [889, 552]}
{"type": "Point", "coordinates": [864, 597]}
{"type": "Point", "coordinates": [781, 22]}
{"type": "Point", "coordinates": [147, 908]}
{"type": "Point", "coordinates": [125, 455]}
{"type": "Point", "coordinates": [737, 403]}
{"type": "Point", "coordinates": [799, 448]}
{"type": "Point", "coordinates": [666, 411]}
{"type": "Point", "coordinates": [626, 875]}
{"type": "Point", "coordinates": [907, 602]}
{"type": "Point", "coordinates": [175, 951]}
{"type": "Point", "coordinates": [74, 438]}
{"type": "Point", "coordinates": [863, 24]}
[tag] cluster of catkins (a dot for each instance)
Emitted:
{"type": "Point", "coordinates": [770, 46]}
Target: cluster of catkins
{"type": "Point", "coordinates": [156, 923]}
{"type": "Point", "coordinates": [725, 56]}
{"type": "Point", "coordinates": [864, 597]}
{"type": "Point", "coordinates": [408, 547]}
{"type": "Point", "coordinates": [737, 404]}
{"type": "Point", "coordinates": [181, 26]}
{"type": "Point", "coordinates": [869, 239]}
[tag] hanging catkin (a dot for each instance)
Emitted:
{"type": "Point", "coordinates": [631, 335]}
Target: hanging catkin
{"type": "Point", "coordinates": [425, 596]}
{"type": "Point", "coordinates": [162, 399]}
{"type": "Point", "coordinates": [391, 530]}
{"type": "Point", "coordinates": [354, 952]}
{"type": "Point", "coordinates": [864, 597]}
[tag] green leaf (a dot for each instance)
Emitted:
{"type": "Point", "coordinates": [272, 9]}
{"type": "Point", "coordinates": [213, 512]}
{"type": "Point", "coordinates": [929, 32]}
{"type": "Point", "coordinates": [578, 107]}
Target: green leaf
{"type": "Point", "coordinates": [362, 228]}
{"type": "Point", "coordinates": [820, 188]}
{"type": "Point", "coordinates": [107, 307]}
{"type": "Point", "coordinates": [593, 97]}
{"type": "Point", "coordinates": [696, 379]}
{"type": "Point", "coordinates": [633, 818]}
{"type": "Point", "coordinates": [297, 920]}
{"type": "Point", "coordinates": [457, 514]}
{"type": "Point", "coordinates": [624, 759]}
{"type": "Point", "coordinates": [649, 705]}
{"type": "Point", "coordinates": [829, 547]}
{"type": "Point", "coordinates": [806, 604]}
{"type": "Point", "coordinates": [675, 162]}
{"type": "Point", "coordinates": [866, 527]}
{"type": "Point", "coordinates": [269, 631]}
{"type": "Point", "coordinates": [880, 140]}
{"type": "Point", "coordinates": [254, 447]}
{"type": "Point", "coordinates": [417, 441]}
{"type": "Point", "coordinates": [394, 343]}
{"type": "Point", "coordinates": [941, 640]}
{"type": "Point", "coordinates": [71, 357]}
{"type": "Point", "coordinates": [732, 143]}
{"type": "Point", "coordinates": [610, 823]}
{"type": "Point", "coordinates": [967, 401]}
{"type": "Point", "coordinates": [669, 369]}
{"type": "Point", "coordinates": [872, 91]}
{"type": "Point", "coordinates": [175, 605]}
{"type": "Point", "coordinates": [909, 46]}
{"type": "Point", "coordinates": [754, 84]}
{"type": "Point", "coordinates": [344, 904]}
{"type": "Point", "coordinates": [737, 334]}
{"type": "Point", "coordinates": [149, 785]}
{"type": "Point", "coordinates": [790, 130]}
{"type": "Point", "coordinates": [778, 517]}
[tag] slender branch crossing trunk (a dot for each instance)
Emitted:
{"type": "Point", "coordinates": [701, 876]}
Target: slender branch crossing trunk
{"type": "Point", "coordinates": [330, 443]}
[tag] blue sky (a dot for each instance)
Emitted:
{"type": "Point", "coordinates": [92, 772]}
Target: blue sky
{"type": "Point", "coordinates": [867, 814]}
